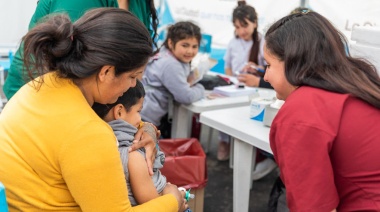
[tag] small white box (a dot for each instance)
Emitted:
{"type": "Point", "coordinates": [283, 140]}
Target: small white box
{"type": "Point", "coordinates": [271, 111]}
{"type": "Point", "coordinates": [269, 115]}
{"type": "Point", "coordinates": [257, 108]}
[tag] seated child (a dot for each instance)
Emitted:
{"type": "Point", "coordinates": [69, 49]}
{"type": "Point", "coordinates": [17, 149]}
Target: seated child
{"type": "Point", "coordinates": [168, 75]}
{"type": "Point", "coordinates": [124, 118]}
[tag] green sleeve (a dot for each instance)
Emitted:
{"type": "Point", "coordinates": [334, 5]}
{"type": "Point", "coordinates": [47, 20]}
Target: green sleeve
{"type": "Point", "coordinates": [43, 9]}
{"type": "Point", "coordinates": [15, 78]}
{"type": "Point", "coordinates": [74, 8]}
{"type": "Point", "coordinates": [141, 9]}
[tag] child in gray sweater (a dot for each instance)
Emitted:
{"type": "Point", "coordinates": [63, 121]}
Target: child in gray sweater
{"type": "Point", "coordinates": [124, 118]}
{"type": "Point", "coordinates": [168, 77]}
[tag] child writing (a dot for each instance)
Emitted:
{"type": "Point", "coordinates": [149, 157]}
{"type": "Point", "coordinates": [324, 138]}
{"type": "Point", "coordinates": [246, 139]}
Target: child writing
{"type": "Point", "coordinates": [124, 118]}
{"type": "Point", "coordinates": [245, 51]}
{"type": "Point", "coordinates": [167, 76]}
{"type": "Point", "coordinates": [244, 58]}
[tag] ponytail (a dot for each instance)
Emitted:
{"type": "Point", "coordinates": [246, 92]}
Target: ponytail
{"type": "Point", "coordinates": [47, 44]}
{"type": "Point", "coordinates": [254, 53]}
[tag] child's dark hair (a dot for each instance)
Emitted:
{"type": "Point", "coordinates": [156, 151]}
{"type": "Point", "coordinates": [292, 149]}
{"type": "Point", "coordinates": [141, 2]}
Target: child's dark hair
{"type": "Point", "coordinates": [183, 30]}
{"type": "Point", "coordinates": [128, 99]}
{"type": "Point", "coordinates": [241, 13]}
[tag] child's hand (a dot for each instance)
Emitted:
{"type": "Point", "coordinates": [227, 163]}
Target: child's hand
{"type": "Point", "coordinates": [184, 206]}
{"type": "Point", "coordinates": [250, 68]}
{"type": "Point", "coordinates": [191, 78]}
{"type": "Point", "coordinates": [172, 189]}
{"type": "Point", "coordinates": [249, 80]}
{"type": "Point", "coordinates": [146, 137]}
{"type": "Point", "coordinates": [183, 191]}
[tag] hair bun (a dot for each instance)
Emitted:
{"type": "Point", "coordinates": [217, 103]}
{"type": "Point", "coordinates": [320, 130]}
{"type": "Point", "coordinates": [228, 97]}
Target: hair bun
{"type": "Point", "coordinates": [61, 37]}
{"type": "Point", "coordinates": [241, 3]}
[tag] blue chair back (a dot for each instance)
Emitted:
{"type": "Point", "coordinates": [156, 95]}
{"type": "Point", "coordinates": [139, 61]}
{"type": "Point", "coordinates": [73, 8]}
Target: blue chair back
{"type": "Point", "coordinates": [3, 199]}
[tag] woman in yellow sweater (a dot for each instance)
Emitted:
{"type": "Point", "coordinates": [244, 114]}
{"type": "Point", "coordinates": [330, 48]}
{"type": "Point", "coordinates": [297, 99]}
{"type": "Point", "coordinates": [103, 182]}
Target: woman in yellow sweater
{"type": "Point", "coordinates": [56, 153]}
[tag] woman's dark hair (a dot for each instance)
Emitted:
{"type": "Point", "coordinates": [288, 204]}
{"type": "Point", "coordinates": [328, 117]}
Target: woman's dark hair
{"type": "Point", "coordinates": [103, 36]}
{"type": "Point", "coordinates": [182, 30]}
{"type": "Point", "coordinates": [155, 22]}
{"type": "Point", "coordinates": [314, 54]}
{"type": "Point", "coordinates": [241, 13]}
{"type": "Point", "coordinates": [128, 99]}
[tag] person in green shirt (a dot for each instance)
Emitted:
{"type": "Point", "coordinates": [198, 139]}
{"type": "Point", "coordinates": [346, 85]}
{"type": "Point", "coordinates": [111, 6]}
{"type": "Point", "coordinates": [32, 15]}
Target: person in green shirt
{"type": "Point", "coordinates": [143, 9]}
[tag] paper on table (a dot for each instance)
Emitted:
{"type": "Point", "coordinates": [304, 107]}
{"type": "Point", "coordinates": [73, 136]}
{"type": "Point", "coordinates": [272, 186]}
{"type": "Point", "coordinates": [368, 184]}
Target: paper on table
{"type": "Point", "coordinates": [232, 90]}
{"type": "Point", "coordinates": [200, 65]}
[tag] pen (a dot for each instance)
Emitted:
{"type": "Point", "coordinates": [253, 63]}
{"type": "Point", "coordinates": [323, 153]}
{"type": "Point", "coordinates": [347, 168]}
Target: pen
{"type": "Point", "coordinates": [257, 68]}
{"type": "Point", "coordinates": [237, 73]}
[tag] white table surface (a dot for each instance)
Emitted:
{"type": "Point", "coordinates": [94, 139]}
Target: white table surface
{"type": "Point", "coordinates": [248, 134]}
{"type": "Point", "coordinates": [181, 124]}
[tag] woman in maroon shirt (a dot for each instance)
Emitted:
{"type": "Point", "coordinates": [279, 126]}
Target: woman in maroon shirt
{"type": "Point", "coordinates": [326, 137]}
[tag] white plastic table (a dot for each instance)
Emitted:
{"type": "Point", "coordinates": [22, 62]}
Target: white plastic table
{"type": "Point", "coordinates": [181, 124]}
{"type": "Point", "coordinates": [248, 135]}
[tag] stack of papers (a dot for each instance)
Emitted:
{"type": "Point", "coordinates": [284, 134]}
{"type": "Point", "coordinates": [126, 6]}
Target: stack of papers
{"type": "Point", "coordinates": [200, 65]}
{"type": "Point", "coordinates": [232, 90]}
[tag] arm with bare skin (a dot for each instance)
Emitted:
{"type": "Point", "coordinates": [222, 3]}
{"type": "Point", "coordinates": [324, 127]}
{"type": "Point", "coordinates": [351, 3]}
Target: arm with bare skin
{"type": "Point", "coordinates": [147, 137]}
{"type": "Point", "coordinates": [123, 4]}
{"type": "Point", "coordinates": [142, 185]}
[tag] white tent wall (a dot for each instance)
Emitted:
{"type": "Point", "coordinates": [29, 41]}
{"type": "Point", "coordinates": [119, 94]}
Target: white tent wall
{"type": "Point", "coordinates": [213, 16]}
{"type": "Point", "coordinates": [14, 20]}
{"type": "Point", "coordinates": [346, 15]}
{"type": "Point", "coordinates": [367, 44]}
{"type": "Point", "coordinates": [359, 21]}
